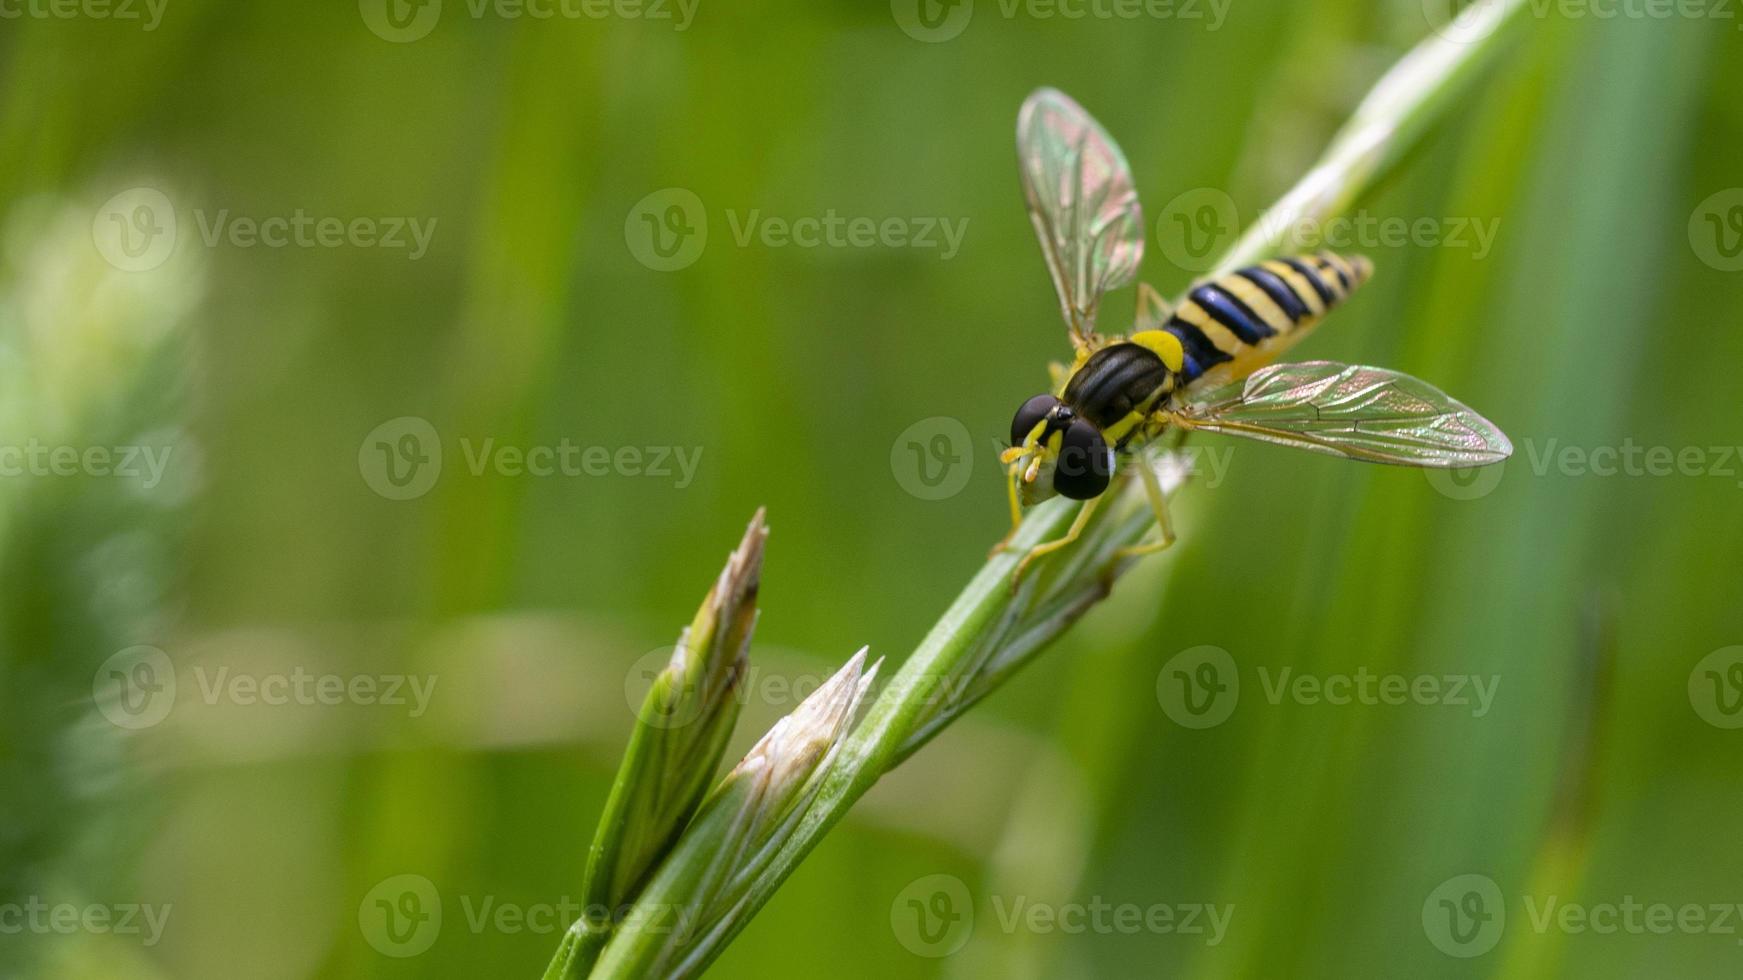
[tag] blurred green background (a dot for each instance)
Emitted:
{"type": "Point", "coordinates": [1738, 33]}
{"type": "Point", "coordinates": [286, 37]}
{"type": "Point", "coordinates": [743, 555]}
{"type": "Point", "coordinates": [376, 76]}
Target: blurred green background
{"type": "Point", "coordinates": [1600, 604]}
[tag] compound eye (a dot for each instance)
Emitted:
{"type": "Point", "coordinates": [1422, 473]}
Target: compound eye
{"type": "Point", "coordinates": [1085, 465]}
{"type": "Point", "coordinates": [1029, 416]}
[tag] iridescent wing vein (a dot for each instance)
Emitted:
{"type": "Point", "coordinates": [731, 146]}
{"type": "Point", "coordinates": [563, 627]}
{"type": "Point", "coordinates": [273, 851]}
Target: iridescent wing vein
{"type": "Point", "coordinates": [1082, 203]}
{"type": "Point", "coordinates": [1357, 412]}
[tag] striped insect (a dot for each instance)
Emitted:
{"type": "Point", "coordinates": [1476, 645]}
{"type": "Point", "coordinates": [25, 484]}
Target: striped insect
{"type": "Point", "coordinates": [1206, 364]}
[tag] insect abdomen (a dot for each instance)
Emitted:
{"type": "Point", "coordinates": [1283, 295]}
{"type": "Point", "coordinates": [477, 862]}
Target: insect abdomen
{"type": "Point", "coordinates": [1233, 324]}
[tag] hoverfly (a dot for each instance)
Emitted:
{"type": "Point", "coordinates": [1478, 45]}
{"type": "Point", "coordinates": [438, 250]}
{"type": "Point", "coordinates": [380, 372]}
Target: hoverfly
{"type": "Point", "coordinates": [1202, 365]}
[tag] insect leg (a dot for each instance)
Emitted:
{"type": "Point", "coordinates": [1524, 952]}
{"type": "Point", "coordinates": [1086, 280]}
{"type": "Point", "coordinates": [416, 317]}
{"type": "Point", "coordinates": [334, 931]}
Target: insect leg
{"type": "Point", "coordinates": [1153, 310]}
{"type": "Point", "coordinates": [1159, 504]}
{"type": "Point", "coordinates": [1016, 510]}
{"type": "Point", "coordinates": [1076, 529]}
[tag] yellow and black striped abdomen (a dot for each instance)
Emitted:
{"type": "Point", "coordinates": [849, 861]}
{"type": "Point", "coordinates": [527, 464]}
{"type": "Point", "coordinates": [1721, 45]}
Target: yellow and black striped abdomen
{"type": "Point", "coordinates": [1235, 324]}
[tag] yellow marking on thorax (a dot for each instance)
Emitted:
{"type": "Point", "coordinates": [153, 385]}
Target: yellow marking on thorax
{"type": "Point", "coordinates": [1138, 416]}
{"type": "Point", "coordinates": [1164, 345]}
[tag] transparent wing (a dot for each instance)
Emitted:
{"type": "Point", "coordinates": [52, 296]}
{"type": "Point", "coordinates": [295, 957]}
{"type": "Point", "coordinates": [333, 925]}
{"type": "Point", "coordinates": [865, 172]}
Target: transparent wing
{"type": "Point", "coordinates": [1153, 310]}
{"type": "Point", "coordinates": [1081, 201]}
{"type": "Point", "coordinates": [1364, 413]}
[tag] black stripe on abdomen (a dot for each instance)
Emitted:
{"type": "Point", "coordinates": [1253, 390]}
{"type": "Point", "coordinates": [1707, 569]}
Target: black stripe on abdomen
{"type": "Point", "coordinates": [1279, 291]}
{"type": "Point", "coordinates": [1229, 311]}
{"type": "Point", "coordinates": [1311, 274]}
{"type": "Point", "coordinates": [1201, 354]}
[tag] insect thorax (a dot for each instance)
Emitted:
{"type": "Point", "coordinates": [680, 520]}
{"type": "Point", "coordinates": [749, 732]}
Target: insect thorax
{"type": "Point", "coordinates": [1116, 382]}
